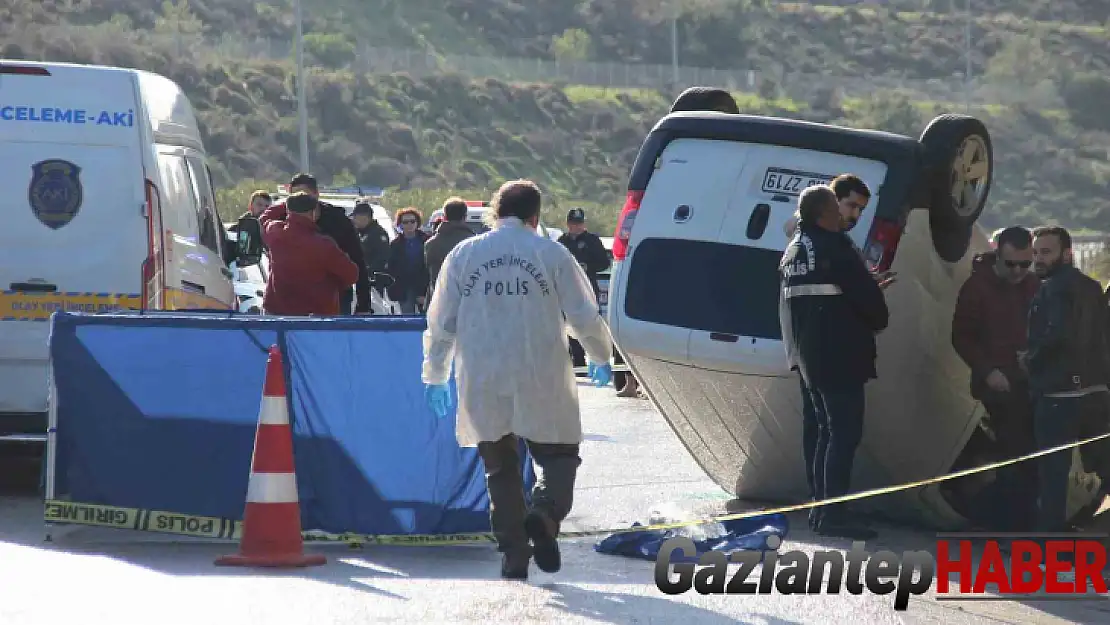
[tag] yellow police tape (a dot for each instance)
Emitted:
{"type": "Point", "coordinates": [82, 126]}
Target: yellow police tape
{"type": "Point", "coordinates": [67, 512]}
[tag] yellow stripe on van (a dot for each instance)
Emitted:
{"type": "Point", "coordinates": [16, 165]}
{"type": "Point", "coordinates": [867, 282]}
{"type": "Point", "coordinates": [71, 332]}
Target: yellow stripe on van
{"type": "Point", "coordinates": [22, 306]}
{"type": "Point", "coordinates": [177, 299]}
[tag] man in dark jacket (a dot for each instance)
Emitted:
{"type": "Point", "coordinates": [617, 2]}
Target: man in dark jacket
{"type": "Point", "coordinates": [373, 238]}
{"type": "Point", "coordinates": [452, 231]}
{"type": "Point", "coordinates": [308, 272]}
{"type": "Point", "coordinates": [988, 332]}
{"type": "Point", "coordinates": [586, 247]}
{"type": "Point", "coordinates": [334, 223]}
{"type": "Point", "coordinates": [831, 309]}
{"type": "Point", "coordinates": [589, 251]}
{"type": "Point", "coordinates": [259, 202]}
{"type": "Point", "coordinates": [1069, 368]}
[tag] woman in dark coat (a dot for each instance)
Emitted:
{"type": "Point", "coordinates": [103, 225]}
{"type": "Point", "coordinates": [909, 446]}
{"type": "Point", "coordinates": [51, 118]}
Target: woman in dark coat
{"type": "Point", "coordinates": [406, 263]}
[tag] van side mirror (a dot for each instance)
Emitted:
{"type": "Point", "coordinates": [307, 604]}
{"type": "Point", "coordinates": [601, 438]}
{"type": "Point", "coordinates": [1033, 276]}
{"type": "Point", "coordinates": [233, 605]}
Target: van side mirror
{"type": "Point", "coordinates": [248, 247]}
{"type": "Point", "coordinates": [382, 280]}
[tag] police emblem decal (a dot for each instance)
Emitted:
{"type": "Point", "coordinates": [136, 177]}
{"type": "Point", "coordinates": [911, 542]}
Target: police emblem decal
{"type": "Point", "coordinates": [55, 193]}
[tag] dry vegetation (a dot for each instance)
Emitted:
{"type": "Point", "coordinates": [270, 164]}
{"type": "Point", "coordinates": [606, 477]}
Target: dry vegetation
{"type": "Point", "coordinates": [444, 133]}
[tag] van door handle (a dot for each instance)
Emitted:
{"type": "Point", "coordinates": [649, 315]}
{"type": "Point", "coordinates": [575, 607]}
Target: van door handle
{"type": "Point", "coordinates": [192, 286]}
{"type": "Point", "coordinates": [724, 338]}
{"type": "Point", "coordinates": [33, 287]}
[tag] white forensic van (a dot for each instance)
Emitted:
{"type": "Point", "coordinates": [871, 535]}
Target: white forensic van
{"type": "Point", "coordinates": [109, 206]}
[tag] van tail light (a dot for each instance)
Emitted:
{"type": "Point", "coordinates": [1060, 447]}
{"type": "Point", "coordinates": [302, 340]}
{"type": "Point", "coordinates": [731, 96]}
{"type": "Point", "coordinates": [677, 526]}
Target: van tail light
{"type": "Point", "coordinates": [154, 265]}
{"type": "Point", "coordinates": [23, 70]}
{"type": "Point", "coordinates": [624, 224]}
{"type": "Point", "coordinates": [882, 245]}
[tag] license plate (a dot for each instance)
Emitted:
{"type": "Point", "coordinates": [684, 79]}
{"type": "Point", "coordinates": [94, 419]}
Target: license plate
{"type": "Point", "coordinates": [19, 306]}
{"type": "Point", "coordinates": [778, 181]}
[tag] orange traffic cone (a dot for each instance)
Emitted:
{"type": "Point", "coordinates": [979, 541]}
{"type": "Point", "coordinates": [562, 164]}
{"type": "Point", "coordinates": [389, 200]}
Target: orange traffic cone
{"type": "Point", "coordinates": [272, 521]}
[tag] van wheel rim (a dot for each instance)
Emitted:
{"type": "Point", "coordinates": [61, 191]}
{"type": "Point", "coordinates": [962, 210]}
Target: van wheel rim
{"type": "Point", "coordinates": [970, 176]}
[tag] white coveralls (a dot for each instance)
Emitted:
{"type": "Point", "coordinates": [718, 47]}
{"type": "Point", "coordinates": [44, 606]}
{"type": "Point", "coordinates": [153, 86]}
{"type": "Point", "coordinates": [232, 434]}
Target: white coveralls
{"type": "Point", "coordinates": [498, 311]}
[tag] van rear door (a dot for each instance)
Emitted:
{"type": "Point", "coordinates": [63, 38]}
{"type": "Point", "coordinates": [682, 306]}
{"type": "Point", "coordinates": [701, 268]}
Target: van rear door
{"type": "Point", "coordinates": [739, 330]}
{"type": "Point", "coordinates": [74, 235]}
{"type": "Point", "coordinates": [671, 265]}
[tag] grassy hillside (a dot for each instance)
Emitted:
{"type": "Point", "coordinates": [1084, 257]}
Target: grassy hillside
{"type": "Point", "coordinates": [446, 133]}
{"type": "Point", "coordinates": [917, 38]}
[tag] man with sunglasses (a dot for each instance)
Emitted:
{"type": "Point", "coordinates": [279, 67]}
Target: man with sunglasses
{"type": "Point", "coordinates": [988, 332]}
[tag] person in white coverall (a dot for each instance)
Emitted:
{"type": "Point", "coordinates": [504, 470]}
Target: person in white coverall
{"type": "Point", "coordinates": [502, 307]}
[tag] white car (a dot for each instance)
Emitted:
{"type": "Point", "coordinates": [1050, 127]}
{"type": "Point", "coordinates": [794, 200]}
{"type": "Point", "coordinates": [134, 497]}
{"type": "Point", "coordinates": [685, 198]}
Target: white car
{"type": "Point", "coordinates": [708, 204]}
{"type": "Point", "coordinates": [604, 277]}
{"type": "Point", "coordinates": [250, 285]}
{"type": "Point", "coordinates": [476, 220]}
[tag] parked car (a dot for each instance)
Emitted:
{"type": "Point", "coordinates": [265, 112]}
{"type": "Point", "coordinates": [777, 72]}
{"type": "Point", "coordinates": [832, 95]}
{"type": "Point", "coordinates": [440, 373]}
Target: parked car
{"type": "Point", "coordinates": [717, 190]}
{"type": "Point", "coordinates": [604, 276]}
{"type": "Point", "coordinates": [476, 220]}
{"type": "Point", "coordinates": [250, 286]}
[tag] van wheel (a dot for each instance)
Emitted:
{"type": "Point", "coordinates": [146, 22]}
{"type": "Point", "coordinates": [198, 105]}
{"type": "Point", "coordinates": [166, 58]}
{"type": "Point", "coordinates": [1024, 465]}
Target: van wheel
{"type": "Point", "coordinates": [951, 243]}
{"type": "Point", "coordinates": [254, 310]}
{"type": "Point", "coordinates": [959, 165]}
{"type": "Point", "coordinates": [705, 99]}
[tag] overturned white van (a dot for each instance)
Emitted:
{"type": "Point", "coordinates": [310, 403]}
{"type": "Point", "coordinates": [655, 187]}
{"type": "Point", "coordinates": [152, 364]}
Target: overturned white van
{"type": "Point", "coordinates": [695, 288]}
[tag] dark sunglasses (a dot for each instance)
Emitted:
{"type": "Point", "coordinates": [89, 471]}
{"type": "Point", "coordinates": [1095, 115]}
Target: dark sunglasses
{"type": "Point", "coordinates": [1024, 264]}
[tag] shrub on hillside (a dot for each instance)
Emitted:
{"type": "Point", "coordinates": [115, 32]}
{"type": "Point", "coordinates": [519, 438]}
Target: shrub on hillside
{"type": "Point", "coordinates": [1086, 96]}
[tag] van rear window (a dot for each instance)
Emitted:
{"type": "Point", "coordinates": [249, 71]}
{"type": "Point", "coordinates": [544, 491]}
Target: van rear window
{"type": "Point", "coordinates": [713, 287]}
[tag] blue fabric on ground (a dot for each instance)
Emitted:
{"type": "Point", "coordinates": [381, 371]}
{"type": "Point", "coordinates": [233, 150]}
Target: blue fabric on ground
{"type": "Point", "coordinates": [741, 534]}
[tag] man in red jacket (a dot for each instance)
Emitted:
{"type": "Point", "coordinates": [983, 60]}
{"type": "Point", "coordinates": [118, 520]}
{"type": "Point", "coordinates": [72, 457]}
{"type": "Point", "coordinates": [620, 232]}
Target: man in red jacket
{"type": "Point", "coordinates": [989, 329]}
{"type": "Point", "coordinates": [308, 271]}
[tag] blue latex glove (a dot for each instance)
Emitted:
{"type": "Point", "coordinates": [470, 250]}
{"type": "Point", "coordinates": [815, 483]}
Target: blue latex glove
{"type": "Point", "coordinates": [601, 375]}
{"type": "Point", "coordinates": [590, 370]}
{"type": "Point", "coordinates": [438, 397]}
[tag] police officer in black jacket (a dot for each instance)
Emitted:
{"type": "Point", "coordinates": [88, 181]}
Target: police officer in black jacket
{"type": "Point", "coordinates": [831, 309]}
{"type": "Point", "coordinates": [333, 222]}
{"type": "Point", "coordinates": [1069, 371]}
{"type": "Point", "coordinates": [589, 251]}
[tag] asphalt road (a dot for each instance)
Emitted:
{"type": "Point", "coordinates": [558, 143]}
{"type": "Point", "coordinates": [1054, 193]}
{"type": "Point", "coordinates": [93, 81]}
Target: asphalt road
{"type": "Point", "coordinates": [632, 465]}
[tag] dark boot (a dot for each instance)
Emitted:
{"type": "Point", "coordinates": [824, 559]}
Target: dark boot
{"type": "Point", "coordinates": [545, 543]}
{"type": "Point", "coordinates": [514, 566]}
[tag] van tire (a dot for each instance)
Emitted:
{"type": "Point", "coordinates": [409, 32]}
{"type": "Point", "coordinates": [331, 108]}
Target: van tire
{"type": "Point", "coordinates": [705, 99]}
{"type": "Point", "coordinates": [950, 242]}
{"type": "Point", "coordinates": [954, 147]}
